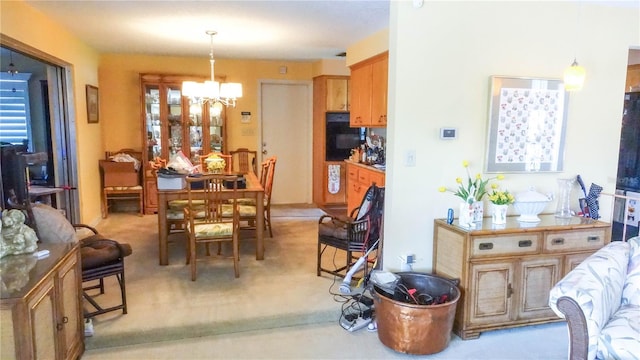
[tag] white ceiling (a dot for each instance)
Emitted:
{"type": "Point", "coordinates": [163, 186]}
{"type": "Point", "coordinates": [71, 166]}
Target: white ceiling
{"type": "Point", "coordinates": [268, 29]}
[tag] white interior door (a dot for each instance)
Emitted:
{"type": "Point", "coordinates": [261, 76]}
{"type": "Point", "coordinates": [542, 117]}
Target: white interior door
{"type": "Point", "coordinates": [286, 118]}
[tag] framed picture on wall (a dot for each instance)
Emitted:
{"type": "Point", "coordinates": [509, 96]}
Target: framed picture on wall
{"type": "Point", "coordinates": [93, 115]}
{"type": "Point", "coordinates": [527, 122]}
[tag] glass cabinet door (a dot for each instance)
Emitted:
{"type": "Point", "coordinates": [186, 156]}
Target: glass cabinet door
{"type": "Point", "coordinates": [196, 133]}
{"type": "Point", "coordinates": [152, 121]}
{"type": "Point", "coordinates": [216, 127]}
{"type": "Point", "coordinates": [174, 118]}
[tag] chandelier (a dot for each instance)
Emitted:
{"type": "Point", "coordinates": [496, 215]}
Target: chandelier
{"type": "Point", "coordinates": [211, 91]}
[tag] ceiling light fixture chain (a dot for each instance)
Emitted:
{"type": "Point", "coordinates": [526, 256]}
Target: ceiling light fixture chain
{"type": "Point", "coordinates": [211, 91]}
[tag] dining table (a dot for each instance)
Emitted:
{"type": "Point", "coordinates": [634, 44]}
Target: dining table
{"type": "Point", "coordinates": [253, 189]}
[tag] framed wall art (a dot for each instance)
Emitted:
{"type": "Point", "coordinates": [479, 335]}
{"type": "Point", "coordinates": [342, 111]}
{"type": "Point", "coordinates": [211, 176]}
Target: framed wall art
{"type": "Point", "coordinates": [527, 122]}
{"type": "Point", "coordinates": [93, 115]}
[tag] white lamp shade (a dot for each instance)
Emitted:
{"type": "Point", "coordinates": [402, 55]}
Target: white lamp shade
{"type": "Point", "coordinates": [231, 90]}
{"type": "Point", "coordinates": [189, 88]}
{"type": "Point", "coordinates": [211, 90]}
{"type": "Point", "coordinates": [574, 77]}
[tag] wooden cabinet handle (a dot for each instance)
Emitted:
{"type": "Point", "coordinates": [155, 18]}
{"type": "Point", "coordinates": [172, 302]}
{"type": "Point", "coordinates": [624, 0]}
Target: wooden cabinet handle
{"type": "Point", "coordinates": [509, 291]}
{"type": "Point", "coordinates": [524, 243]}
{"type": "Point", "coordinates": [557, 241]}
{"type": "Point", "coordinates": [593, 238]}
{"type": "Point", "coordinates": [485, 246]}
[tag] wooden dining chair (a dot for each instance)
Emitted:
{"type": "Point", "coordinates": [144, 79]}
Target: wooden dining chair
{"type": "Point", "coordinates": [118, 184]}
{"type": "Point", "coordinates": [244, 160]}
{"type": "Point", "coordinates": [247, 206]}
{"type": "Point", "coordinates": [213, 227]}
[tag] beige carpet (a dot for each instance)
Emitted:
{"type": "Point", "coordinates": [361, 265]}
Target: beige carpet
{"type": "Point", "coordinates": [163, 303]}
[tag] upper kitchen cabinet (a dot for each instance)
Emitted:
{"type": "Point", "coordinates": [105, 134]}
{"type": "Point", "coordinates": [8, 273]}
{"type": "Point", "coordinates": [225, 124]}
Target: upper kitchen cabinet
{"type": "Point", "coordinates": [368, 96]}
{"type": "Point", "coordinates": [172, 123]}
{"type": "Point", "coordinates": [337, 94]}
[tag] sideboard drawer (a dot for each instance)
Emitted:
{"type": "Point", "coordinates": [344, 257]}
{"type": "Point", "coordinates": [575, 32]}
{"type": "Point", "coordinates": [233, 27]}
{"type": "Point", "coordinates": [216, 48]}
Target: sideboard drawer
{"type": "Point", "coordinates": [488, 246]}
{"type": "Point", "coordinates": [561, 241]}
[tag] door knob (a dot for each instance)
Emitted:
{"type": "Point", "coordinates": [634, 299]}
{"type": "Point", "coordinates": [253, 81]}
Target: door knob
{"type": "Point", "coordinates": [264, 152]}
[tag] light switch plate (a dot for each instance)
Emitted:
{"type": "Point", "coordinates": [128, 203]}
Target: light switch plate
{"type": "Point", "coordinates": [448, 133]}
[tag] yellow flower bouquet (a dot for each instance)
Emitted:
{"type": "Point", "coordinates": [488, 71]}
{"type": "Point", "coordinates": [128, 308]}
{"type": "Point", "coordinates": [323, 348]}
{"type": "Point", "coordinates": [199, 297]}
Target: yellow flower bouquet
{"type": "Point", "coordinates": [474, 189]}
{"type": "Point", "coordinates": [498, 197]}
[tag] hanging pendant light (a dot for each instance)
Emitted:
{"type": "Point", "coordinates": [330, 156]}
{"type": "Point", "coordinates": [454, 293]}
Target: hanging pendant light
{"type": "Point", "coordinates": [575, 74]}
{"type": "Point", "coordinates": [574, 77]}
{"type": "Point", "coordinates": [212, 91]}
{"type": "Point", "coordinates": [12, 68]}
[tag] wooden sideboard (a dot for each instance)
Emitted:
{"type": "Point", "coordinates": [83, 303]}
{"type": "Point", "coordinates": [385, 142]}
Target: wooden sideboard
{"type": "Point", "coordinates": [41, 305]}
{"type": "Point", "coordinates": [506, 273]}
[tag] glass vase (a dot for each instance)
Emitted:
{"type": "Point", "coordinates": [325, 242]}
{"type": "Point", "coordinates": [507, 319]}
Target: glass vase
{"type": "Point", "coordinates": [563, 207]}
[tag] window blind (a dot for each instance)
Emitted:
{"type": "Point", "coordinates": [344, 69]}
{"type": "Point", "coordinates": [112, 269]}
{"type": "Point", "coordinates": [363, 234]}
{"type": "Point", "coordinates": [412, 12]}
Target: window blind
{"type": "Point", "coordinates": [15, 116]}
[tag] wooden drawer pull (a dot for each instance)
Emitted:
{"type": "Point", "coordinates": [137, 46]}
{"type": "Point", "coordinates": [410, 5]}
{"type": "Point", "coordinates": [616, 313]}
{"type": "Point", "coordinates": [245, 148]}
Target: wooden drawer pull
{"type": "Point", "coordinates": [485, 246]}
{"type": "Point", "coordinates": [557, 241]}
{"type": "Point", "coordinates": [524, 243]}
{"type": "Point", "coordinates": [593, 238]}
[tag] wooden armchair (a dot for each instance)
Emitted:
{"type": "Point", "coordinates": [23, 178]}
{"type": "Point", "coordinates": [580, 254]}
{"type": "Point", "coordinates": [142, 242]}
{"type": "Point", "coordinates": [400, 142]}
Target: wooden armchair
{"type": "Point", "coordinates": [245, 159]}
{"type": "Point", "coordinates": [355, 234]}
{"type": "Point", "coordinates": [121, 180]}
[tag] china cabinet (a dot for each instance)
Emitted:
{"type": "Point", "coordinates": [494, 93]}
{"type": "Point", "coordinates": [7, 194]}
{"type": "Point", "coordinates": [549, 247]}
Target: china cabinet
{"type": "Point", "coordinates": [506, 271]}
{"type": "Point", "coordinates": [172, 123]}
{"type": "Point", "coordinates": [41, 308]}
{"type": "Point", "coordinates": [368, 96]}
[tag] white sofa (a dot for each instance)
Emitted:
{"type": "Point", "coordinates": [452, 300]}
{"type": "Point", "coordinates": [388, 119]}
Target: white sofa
{"type": "Point", "coordinates": [600, 299]}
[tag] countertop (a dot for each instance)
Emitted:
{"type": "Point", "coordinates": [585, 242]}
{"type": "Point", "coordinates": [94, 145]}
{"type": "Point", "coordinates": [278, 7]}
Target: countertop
{"type": "Point", "coordinates": [366, 166]}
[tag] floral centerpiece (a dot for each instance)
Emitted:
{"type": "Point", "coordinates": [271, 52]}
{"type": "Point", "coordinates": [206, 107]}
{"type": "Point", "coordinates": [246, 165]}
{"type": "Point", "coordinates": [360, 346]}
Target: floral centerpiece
{"type": "Point", "coordinates": [215, 164]}
{"type": "Point", "coordinates": [471, 191]}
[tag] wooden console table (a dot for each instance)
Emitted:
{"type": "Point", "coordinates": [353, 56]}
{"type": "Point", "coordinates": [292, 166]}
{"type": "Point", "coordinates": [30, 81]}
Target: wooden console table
{"type": "Point", "coordinates": [506, 273]}
{"type": "Point", "coordinates": [41, 306]}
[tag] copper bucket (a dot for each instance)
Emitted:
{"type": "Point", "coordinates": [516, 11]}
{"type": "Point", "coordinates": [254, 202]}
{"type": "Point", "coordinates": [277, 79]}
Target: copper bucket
{"type": "Point", "coordinates": [412, 328]}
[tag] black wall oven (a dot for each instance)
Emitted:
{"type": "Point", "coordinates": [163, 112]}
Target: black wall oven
{"type": "Point", "coordinates": [341, 138]}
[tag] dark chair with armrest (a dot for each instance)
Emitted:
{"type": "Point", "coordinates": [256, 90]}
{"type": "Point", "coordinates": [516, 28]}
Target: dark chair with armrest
{"type": "Point", "coordinates": [355, 234]}
{"type": "Point", "coordinates": [101, 258]}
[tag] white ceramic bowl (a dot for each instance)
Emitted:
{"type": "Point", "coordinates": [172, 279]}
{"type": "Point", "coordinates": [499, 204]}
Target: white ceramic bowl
{"type": "Point", "coordinates": [529, 204]}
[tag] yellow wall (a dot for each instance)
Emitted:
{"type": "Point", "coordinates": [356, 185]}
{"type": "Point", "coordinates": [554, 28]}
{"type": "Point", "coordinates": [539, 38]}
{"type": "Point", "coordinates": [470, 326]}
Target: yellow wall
{"type": "Point", "coordinates": [441, 57]}
{"type": "Point", "coordinates": [41, 33]}
{"type": "Point", "coordinates": [374, 44]}
{"type": "Point", "coordinates": [120, 92]}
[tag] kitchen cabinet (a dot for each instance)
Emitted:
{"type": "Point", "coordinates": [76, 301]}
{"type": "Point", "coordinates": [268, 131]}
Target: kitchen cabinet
{"type": "Point", "coordinates": [330, 94]}
{"type": "Point", "coordinates": [359, 178]}
{"type": "Point", "coordinates": [369, 88]}
{"type": "Point", "coordinates": [337, 94]}
{"type": "Point", "coordinates": [506, 273]}
{"type": "Point", "coordinates": [41, 313]}
{"type": "Point", "coordinates": [172, 123]}
{"type": "Point", "coordinates": [633, 78]}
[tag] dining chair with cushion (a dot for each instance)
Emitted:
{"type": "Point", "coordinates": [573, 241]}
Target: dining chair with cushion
{"type": "Point", "coordinates": [357, 233]}
{"type": "Point", "coordinates": [213, 228]}
{"type": "Point", "coordinates": [244, 160]}
{"type": "Point", "coordinates": [247, 206]}
{"type": "Point", "coordinates": [121, 178]}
